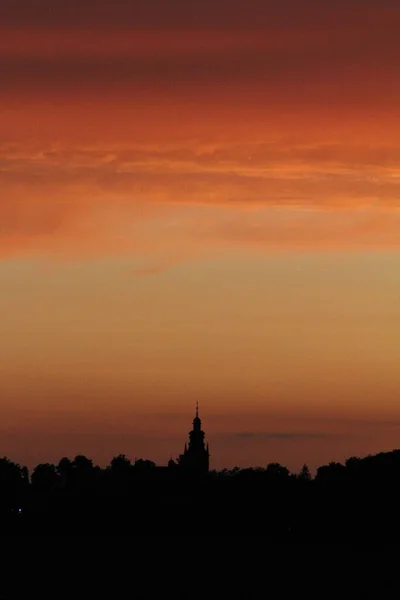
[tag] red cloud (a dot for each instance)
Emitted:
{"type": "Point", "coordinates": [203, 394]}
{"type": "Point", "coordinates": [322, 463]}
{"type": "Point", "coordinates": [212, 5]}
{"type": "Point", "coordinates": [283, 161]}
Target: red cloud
{"type": "Point", "coordinates": [174, 200]}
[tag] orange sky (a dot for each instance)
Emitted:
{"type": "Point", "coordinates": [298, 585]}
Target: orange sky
{"type": "Point", "coordinates": [200, 201]}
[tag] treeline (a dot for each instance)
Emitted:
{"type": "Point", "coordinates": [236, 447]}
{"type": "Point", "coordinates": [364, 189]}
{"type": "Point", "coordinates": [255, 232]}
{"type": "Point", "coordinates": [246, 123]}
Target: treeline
{"type": "Point", "coordinates": [354, 501]}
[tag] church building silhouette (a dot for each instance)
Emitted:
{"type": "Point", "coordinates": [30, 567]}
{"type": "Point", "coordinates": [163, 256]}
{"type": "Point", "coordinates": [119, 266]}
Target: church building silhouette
{"type": "Point", "coordinates": [196, 455]}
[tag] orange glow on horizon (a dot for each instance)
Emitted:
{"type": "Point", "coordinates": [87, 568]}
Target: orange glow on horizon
{"type": "Point", "coordinates": [200, 204]}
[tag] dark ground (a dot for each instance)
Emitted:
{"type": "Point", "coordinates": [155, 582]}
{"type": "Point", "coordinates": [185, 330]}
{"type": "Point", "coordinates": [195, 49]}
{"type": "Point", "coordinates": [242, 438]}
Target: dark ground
{"type": "Point", "coordinates": [195, 566]}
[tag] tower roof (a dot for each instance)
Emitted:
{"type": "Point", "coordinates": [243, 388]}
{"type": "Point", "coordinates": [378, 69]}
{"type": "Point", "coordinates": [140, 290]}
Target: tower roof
{"type": "Point", "coordinates": [196, 455]}
{"type": "Point", "coordinates": [197, 420]}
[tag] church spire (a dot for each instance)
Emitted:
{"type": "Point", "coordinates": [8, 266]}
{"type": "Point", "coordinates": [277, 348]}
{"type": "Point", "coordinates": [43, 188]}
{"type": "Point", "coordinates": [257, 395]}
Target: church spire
{"type": "Point", "coordinates": [196, 455]}
{"type": "Point", "coordinates": [197, 420]}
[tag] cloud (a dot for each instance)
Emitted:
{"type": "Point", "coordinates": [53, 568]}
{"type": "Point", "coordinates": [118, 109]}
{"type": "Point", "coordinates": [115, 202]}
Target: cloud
{"type": "Point", "coordinates": [264, 173]}
{"type": "Point", "coordinates": [173, 201]}
{"type": "Point", "coordinates": [283, 435]}
{"type": "Point", "coordinates": [273, 51]}
{"type": "Point", "coordinates": [181, 13]}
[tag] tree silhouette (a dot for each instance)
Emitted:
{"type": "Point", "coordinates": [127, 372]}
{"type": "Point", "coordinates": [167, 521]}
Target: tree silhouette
{"type": "Point", "coordinates": [82, 463]}
{"type": "Point", "coordinates": [120, 472]}
{"type": "Point", "coordinates": [44, 477]}
{"type": "Point", "coordinates": [144, 466]}
{"type": "Point", "coordinates": [64, 470]}
{"type": "Point", "coordinates": [345, 503]}
{"type": "Point", "coordinates": [332, 472]}
{"type": "Point", "coordinates": [84, 474]}
{"type": "Point", "coordinates": [305, 474]}
{"type": "Point", "coordinates": [13, 481]}
{"type": "Point", "coordinates": [120, 464]}
{"type": "Point", "coordinates": [277, 473]}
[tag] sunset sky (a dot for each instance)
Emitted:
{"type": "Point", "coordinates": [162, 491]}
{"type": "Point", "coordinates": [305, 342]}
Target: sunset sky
{"type": "Point", "coordinates": [199, 201]}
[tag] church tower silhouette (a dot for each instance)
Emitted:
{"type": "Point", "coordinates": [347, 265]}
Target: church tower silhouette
{"type": "Point", "coordinates": [196, 456]}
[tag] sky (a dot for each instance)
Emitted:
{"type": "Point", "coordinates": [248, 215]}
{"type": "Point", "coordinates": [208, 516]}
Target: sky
{"type": "Point", "coordinates": [200, 201]}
